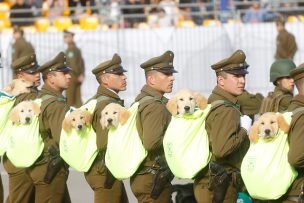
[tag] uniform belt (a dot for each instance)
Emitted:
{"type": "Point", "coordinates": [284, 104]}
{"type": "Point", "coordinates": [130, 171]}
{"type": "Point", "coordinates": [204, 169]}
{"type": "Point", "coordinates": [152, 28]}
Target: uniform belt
{"type": "Point", "coordinates": [148, 170]}
{"type": "Point", "coordinates": [293, 198]}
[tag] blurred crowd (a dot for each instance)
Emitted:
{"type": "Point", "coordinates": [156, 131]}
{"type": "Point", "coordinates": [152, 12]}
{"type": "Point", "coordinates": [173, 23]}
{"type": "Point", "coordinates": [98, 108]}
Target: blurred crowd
{"type": "Point", "coordinates": [154, 13]}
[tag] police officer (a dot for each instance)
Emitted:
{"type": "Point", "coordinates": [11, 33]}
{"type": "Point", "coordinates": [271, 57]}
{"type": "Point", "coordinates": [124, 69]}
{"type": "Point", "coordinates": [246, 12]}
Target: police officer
{"type": "Point", "coordinates": [296, 138]}
{"type": "Point", "coordinates": [76, 63]}
{"type": "Point", "coordinates": [227, 131]}
{"type": "Point", "coordinates": [111, 78]}
{"type": "Point", "coordinates": [152, 121]}
{"type": "Point", "coordinates": [49, 173]}
{"type": "Point", "coordinates": [21, 47]}
{"type": "Point", "coordinates": [280, 98]}
{"type": "Point", "coordinates": [286, 43]}
{"type": "Point", "coordinates": [21, 188]}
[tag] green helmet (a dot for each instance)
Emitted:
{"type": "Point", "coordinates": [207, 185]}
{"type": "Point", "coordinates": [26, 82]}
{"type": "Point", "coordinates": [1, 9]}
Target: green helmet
{"type": "Point", "coordinates": [281, 68]}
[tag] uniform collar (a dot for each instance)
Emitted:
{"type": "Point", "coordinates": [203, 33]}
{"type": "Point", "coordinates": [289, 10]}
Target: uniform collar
{"type": "Point", "coordinates": [284, 91]}
{"type": "Point", "coordinates": [224, 95]}
{"type": "Point", "coordinates": [149, 91]}
{"type": "Point", "coordinates": [47, 90]}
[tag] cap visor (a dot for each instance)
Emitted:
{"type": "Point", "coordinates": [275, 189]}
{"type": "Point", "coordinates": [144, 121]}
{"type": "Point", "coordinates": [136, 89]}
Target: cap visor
{"type": "Point", "coordinates": [238, 71]}
{"type": "Point", "coordinates": [167, 70]}
{"type": "Point", "coordinates": [33, 69]}
{"type": "Point", "coordinates": [64, 69]}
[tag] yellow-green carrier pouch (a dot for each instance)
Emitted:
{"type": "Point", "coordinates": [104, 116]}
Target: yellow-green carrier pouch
{"type": "Point", "coordinates": [78, 148]}
{"type": "Point", "coordinates": [265, 170]}
{"type": "Point", "coordinates": [25, 143]}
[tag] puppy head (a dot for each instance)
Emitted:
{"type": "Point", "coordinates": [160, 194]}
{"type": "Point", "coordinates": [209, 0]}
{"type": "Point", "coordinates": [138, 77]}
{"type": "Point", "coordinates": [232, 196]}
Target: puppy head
{"type": "Point", "coordinates": [18, 86]}
{"type": "Point", "coordinates": [24, 112]}
{"type": "Point", "coordinates": [185, 101]}
{"type": "Point", "coordinates": [267, 126]}
{"type": "Point", "coordinates": [78, 119]}
{"type": "Point", "coordinates": [112, 115]}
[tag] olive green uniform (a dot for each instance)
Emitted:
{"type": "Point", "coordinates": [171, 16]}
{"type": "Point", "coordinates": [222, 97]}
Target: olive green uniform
{"type": "Point", "coordinates": [76, 63]}
{"type": "Point", "coordinates": [296, 141]}
{"type": "Point", "coordinates": [21, 188]}
{"type": "Point", "coordinates": [152, 121]}
{"type": "Point", "coordinates": [286, 45]}
{"type": "Point", "coordinates": [228, 142]}
{"type": "Point", "coordinates": [250, 103]}
{"type": "Point", "coordinates": [96, 176]}
{"type": "Point", "coordinates": [286, 99]}
{"type": "Point", "coordinates": [50, 122]}
{"type": "Point", "coordinates": [20, 48]}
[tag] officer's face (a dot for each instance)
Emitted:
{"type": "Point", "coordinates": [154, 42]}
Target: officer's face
{"type": "Point", "coordinates": [163, 82]}
{"type": "Point", "coordinates": [59, 80]}
{"type": "Point", "coordinates": [116, 82]}
{"type": "Point", "coordinates": [286, 83]}
{"type": "Point", "coordinates": [32, 77]}
{"type": "Point", "coordinates": [234, 84]}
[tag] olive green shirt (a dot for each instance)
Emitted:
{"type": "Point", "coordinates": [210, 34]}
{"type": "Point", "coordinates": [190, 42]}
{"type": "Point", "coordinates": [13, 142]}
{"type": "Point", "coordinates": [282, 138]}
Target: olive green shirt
{"type": "Point", "coordinates": [102, 134]}
{"type": "Point", "coordinates": [27, 96]}
{"type": "Point", "coordinates": [152, 121]}
{"type": "Point", "coordinates": [296, 143]}
{"type": "Point", "coordinates": [52, 115]}
{"type": "Point", "coordinates": [228, 141]}
{"type": "Point", "coordinates": [250, 103]}
{"type": "Point", "coordinates": [20, 48]}
{"type": "Point", "coordinates": [286, 45]}
{"type": "Point", "coordinates": [75, 60]}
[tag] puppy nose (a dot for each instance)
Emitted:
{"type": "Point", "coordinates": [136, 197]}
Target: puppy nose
{"type": "Point", "coordinates": [79, 127]}
{"type": "Point", "coordinates": [110, 120]}
{"type": "Point", "coordinates": [267, 131]}
{"type": "Point", "coordinates": [187, 108]}
{"type": "Point", "coordinates": [27, 119]}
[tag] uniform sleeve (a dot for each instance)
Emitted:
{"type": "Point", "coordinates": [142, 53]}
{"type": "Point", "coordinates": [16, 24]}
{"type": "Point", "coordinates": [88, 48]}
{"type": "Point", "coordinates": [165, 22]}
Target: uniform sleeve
{"type": "Point", "coordinates": [250, 103]}
{"type": "Point", "coordinates": [101, 134]}
{"type": "Point", "coordinates": [296, 141]}
{"type": "Point", "coordinates": [223, 127]}
{"type": "Point", "coordinates": [55, 114]}
{"type": "Point", "coordinates": [154, 119]}
{"type": "Point", "coordinates": [81, 64]}
{"type": "Point", "coordinates": [16, 53]}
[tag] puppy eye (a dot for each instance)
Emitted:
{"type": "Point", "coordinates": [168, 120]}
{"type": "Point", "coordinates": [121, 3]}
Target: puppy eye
{"type": "Point", "coordinates": [73, 119]}
{"type": "Point", "coordinates": [181, 99]}
{"type": "Point", "coordinates": [114, 112]}
{"type": "Point", "coordinates": [191, 98]}
{"type": "Point", "coordinates": [30, 110]}
{"type": "Point", "coordinates": [272, 122]}
{"type": "Point", "coordinates": [106, 113]}
{"type": "Point", "coordinates": [81, 117]}
{"type": "Point", "coordinates": [262, 123]}
{"type": "Point", "coordinates": [22, 110]}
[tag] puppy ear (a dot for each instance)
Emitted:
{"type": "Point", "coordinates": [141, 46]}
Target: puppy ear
{"type": "Point", "coordinates": [283, 125]}
{"type": "Point", "coordinates": [201, 101]}
{"type": "Point", "coordinates": [124, 115]}
{"type": "Point", "coordinates": [172, 106]}
{"type": "Point", "coordinates": [88, 117]}
{"type": "Point", "coordinates": [66, 124]}
{"type": "Point", "coordinates": [14, 116]}
{"type": "Point", "coordinates": [36, 108]}
{"type": "Point", "coordinates": [103, 121]}
{"type": "Point", "coordinates": [254, 132]}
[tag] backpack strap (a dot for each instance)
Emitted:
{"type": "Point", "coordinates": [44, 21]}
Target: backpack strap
{"type": "Point", "coordinates": [298, 110]}
{"type": "Point", "coordinates": [226, 103]}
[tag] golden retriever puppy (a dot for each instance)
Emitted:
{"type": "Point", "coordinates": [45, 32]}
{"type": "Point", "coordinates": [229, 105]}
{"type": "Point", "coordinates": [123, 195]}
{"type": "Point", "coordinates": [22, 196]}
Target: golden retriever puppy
{"type": "Point", "coordinates": [18, 86]}
{"type": "Point", "coordinates": [24, 112]}
{"type": "Point", "coordinates": [112, 115]}
{"type": "Point", "coordinates": [185, 101]}
{"type": "Point", "coordinates": [78, 119]}
{"type": "Point", "coordinates": [267, 126]}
